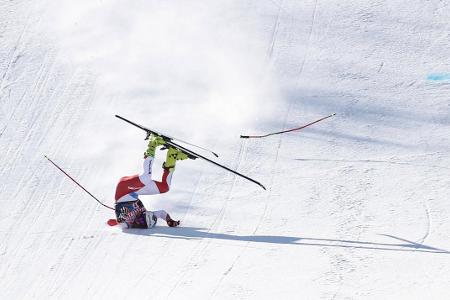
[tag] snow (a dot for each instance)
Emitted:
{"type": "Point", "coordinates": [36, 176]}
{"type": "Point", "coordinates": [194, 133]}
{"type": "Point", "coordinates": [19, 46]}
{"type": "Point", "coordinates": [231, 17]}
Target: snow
{"type": "Point", "coordinates": [357, 206]}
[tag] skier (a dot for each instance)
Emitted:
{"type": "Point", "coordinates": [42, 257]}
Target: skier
{"type": "Point", "coordinates": [129, 208]}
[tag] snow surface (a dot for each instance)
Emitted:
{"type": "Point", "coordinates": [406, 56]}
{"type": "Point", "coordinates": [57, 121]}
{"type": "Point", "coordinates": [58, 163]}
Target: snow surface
{"type": "Point", "coordinates": [357, 206]}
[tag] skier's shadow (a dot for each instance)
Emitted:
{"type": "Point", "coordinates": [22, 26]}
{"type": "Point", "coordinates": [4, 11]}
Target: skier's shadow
{"type": "Point", "coordinates": [193, 233]}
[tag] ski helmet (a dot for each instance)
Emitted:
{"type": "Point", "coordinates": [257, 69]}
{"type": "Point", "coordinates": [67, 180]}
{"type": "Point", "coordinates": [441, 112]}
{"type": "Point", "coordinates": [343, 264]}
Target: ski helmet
{"type": "Point", "coordinates": [151, 219]}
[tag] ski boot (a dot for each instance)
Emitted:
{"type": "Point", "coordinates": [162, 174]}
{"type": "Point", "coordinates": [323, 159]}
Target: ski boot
{"type": "Point", "coordinates": [155, 141]}
{"type": "Point", "coordinates": [173, 155]}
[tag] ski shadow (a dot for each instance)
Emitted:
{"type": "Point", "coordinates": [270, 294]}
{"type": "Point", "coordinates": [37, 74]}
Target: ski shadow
{"type": "Point", "coordinates": [193, 233]}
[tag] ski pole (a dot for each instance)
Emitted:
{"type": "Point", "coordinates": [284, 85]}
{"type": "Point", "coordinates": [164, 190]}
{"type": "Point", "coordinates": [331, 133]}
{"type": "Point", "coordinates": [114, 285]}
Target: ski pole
{"type": "Point", "coordinates": [77, 183]}
{"type": "Point", "coordinates": [284, 131]}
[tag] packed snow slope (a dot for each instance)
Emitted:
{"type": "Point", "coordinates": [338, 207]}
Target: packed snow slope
{"type": "Point", "coordinates": [356, 207]}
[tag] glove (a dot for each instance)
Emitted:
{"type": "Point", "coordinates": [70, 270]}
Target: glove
{"type": "Point", "coordinates": [171, 222]}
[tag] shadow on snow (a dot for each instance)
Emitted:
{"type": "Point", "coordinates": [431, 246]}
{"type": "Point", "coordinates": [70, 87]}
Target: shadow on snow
{"type": "Point", "coordinates": [192, 233]}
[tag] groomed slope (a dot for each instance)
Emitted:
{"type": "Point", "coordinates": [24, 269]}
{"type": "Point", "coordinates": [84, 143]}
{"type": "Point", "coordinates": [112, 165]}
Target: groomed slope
{"type": "Point", "coordinates": [356, 207]}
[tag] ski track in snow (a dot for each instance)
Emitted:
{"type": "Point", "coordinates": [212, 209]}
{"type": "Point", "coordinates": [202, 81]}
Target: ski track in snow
{"type": "Point", "coordinates": [428, 224]}
{"type": "Point", "coordinates": [275, 30]}
{"type": "Point", "coordinates": [264, 212]}
{"type": "Point", "coordinates": [273, 167]}
{"type": "Point", "coordinates": [200, 249]}
{"type": "Point", "coordinates": [310, 34]}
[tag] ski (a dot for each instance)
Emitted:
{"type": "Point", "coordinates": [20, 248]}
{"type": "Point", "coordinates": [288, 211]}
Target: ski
{"type": "Point", "coordinates": [166, 137]}
{"type": "Point", "coordinates": [191, 154]}
{"type": "Point", "coordinates": [284, 131]}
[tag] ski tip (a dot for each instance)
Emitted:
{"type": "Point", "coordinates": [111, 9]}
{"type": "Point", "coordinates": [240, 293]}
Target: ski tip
{"type": "Point", "coordinates": [215, 154]}
{"type": "Point", "coordinates": [244, 136]}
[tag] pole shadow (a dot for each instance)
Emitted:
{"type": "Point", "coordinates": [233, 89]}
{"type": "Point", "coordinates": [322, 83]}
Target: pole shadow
{"type": "Point", "coordinates": [193, 233]}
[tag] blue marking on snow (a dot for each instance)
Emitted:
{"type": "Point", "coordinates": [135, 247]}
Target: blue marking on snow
{"type": "Point", "coordinates": [438, 76]}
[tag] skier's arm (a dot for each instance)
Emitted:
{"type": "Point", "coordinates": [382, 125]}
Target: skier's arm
{"type": "Point", "coordinates": [162, 214]}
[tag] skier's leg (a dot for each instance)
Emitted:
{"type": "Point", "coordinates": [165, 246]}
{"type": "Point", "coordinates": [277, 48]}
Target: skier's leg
{"type": "Point", "coordinates": [148, 163]}
{"type": "Point", "coordinates": [153, 143]}
{"type": "Point", "coordinates": [130, 187]}
{"type": "Point", "coordinates": [126, 187]}
{"type": "Point", "coordinates": [146, 176]}
{"type": "Point", "coordinates": [163, 186]}
{"type": "Point", "coordinates": [152, 186]}
{"type": "Point", "coordinates": [172, 156]}
{"type": "Point", "coordinates": [158, 187]}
